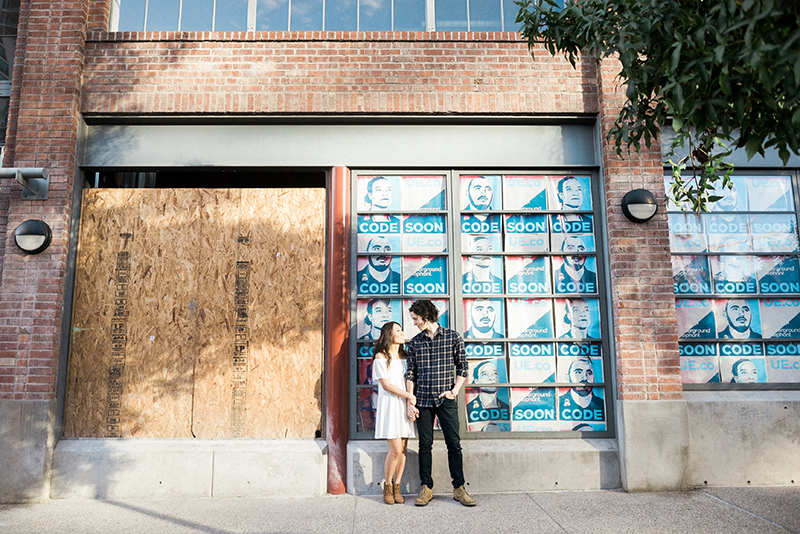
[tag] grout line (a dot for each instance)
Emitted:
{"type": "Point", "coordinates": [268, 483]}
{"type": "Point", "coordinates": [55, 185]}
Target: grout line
{"type": "Point", "coordinates": [749, 512]}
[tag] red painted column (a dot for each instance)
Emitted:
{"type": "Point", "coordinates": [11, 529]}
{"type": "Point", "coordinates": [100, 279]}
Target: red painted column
{"type": "Point", "coordinates": [337, 329]}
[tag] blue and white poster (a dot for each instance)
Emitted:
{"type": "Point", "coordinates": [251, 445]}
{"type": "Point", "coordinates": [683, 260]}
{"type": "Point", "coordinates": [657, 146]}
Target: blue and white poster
{"type": "Point", "coordinates": [483, 319]}
{"type": "Point", "coordinates": [780, 318]}
{"type": "Point", "coordinates": [422, 193]}
{"type": "Point", "coordinates": [570, 193]}
{"type": "Point", "coordinates": [443, 305]}
{"type": "Point", "coordinates": [743, 370]}
{"type": "Point", "coordinates": [581, 403]}
{"type": "Point", "coordinates": [425, 275]}
{"type": "Point", "coordinates": [577, 318]}
{"type": "Point", "coordinates": [699, 363]}
{"type": "Point", "coordinates": [485, 350]}
{"type": "Point", "coordinates": [686, 233]}
{"type": "Point", "coordinates": [770, 193]}
{"type": "Point", "coordinates": [566, 223]}
{"type": "Point", "coordinates": [738, 318]}
{"type": "Point", "coordinates": [481, 243]}
{"type": "Point", "coordinates": [574, 274]}
{"type": "Point", "coordinates": [532, 363]}
{"type": "Point", "coordinates": [729, 243]}
{"type": "Point", "coordinates": [783, 362]}
{"type": "Point", "coordinates": [480, 193]}
{"type": "Point", "coordinates": [733, 274]}
{"type": "Point", "coordinates": [530, 318]}
{"type": "Point", "coordinates": [488, 402]}
{"type": "Point", "coordinates": [378, 224]}
{"type": "Point", "coordinates": [724, 224]}
{"type": "Point", "coordinates": [690, 275]}
{"type": "Point", "coordinates": [570, 243]}
{"type": "Point", "coordinates": [378, 275]}
{"type": "Point", "coordinates": [575, 369]}
{"type": "Point", "coordinates": [526, 233]}
{"type": "Point", "coordinates": [378, 193]}
{"type": "Point", "coordinates": [372, 314]}
{"type": "Point", "coordinates": [695, 319]}
{"type": "Point", "coordinates": [774, 233]}
{"type": "Point", "coordinates": [778, 274]}
{"type": "Point", "coordinates": [525, 193]}
{"type": "Point", "coordinates": [424, 233]}
{"type": "Point", "coordinates": [482, 274]}
{"type": "Point", "coordinates": [734, 198]}
{"type": "Point", "coordinates": [533, 410]}
{"type": "Point", "coordinates": [527, 274]}
{"type": "Point", "coordinates": [378, 243]}
{"type": "Point", "coordinates": [481, 223]}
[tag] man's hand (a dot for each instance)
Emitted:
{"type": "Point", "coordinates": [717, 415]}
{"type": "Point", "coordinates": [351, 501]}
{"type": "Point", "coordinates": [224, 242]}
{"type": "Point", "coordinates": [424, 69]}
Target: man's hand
{"type": "Point", "coordinates": [448, 395]}
{"type": "Point", "coordinates": [412, 410]}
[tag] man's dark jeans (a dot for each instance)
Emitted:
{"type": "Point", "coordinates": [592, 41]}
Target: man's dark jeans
{"type": "Point", "coordinates": [448, 420]}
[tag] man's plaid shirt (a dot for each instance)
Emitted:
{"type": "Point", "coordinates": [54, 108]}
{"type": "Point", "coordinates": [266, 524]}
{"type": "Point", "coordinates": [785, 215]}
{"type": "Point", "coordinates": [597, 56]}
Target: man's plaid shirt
{"type": "Point", "coordinates": [430, 364]}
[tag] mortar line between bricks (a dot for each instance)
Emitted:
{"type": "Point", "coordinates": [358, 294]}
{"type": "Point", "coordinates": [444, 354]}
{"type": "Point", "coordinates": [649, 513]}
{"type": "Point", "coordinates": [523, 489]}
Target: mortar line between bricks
{"type": "Point", "coordinates": [749, 512]}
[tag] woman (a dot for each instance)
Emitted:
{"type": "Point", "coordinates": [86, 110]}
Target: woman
{"type": "Point", "coordinates": [391, 419]}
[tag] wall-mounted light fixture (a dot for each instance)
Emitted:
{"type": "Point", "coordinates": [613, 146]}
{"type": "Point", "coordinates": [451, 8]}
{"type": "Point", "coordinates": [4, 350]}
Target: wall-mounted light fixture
{"type": "Point", "coordinates": [33, 236]}
{"type": "Point", "coordinates": [639, 205]}
{"type": "Point", "coordinates": [35, 181]}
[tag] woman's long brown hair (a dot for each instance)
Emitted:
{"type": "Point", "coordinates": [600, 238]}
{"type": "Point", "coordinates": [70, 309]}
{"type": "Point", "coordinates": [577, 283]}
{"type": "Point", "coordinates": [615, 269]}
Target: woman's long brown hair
{"type": "Point", "coordinates": [385, 341]}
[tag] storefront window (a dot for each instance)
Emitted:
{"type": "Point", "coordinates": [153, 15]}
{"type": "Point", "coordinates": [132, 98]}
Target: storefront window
{"type": "Point", "coordinates": [524, 248]}
{"type": "Point", "coordinates": [737, 285]}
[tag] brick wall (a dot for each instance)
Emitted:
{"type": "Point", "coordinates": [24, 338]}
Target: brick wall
{"type": "Point", "coordinates": [43, 129]}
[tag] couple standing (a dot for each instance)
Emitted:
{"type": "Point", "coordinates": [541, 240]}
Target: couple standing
{"type": "Point", "coordinates": [425, 380]}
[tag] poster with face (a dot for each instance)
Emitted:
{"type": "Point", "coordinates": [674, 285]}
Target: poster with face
{"type": "Point", "coordinates": [738, 319]}
{"type": "Point", "coordinates": [581, 403]}
{"type": "Point", "coordinates": [527, 274]}
{"type": "Point", "coordinates": [778, 274]}
{"type": "Point", "coordinates": [488, 402]}
{"type": "Point", "coordinates": [533, 409]}
{"type": "Point", "coordinates": [733, 274]}
{"type": "Point", "coordinates": [686, 233]}
{"type": "Point", "coordinates": [699, 363]}
{"type": "Point", "coordinates": [530, 318]}
{"type": "Point", "coordinates": [526, 233]}
{"type": "Point", "coordinates": [525, 193]}
{"type": "Point", "coordinates": [480, 193]}
{"type": "Point", "coordinates": [378, 243]}
{"type": "Point", "coordinates": [577, 318]}
{"type": "Point", "coordinates": [744, 370]}
{"type": "Point", "coordinates": [734, 198]}
{"type": "Point", "coordinates": [576, 369]}
{"type": "Point", "coordinates": [690, 275]}
{"type": "Point", "coordinates": [780, 318]}
{"type": "Point", "coordinates": [372, 314]}
{"type": "Point", "coordinates": [575, 273]}
{"type": "Point", "coordinates": [482, 274]}
{"type": "Point", "coordinates": [421, 193]}
{"type": "Point", "coordinates": [443, 305]}
{"type": "Point", "coordinates": [774, 233]}
{"type": "Point", "coordinates": [483, 319]}
{"type": "Point", "coordinates": [378, 193]}
{"type": "Point", "coordinates": [572, 243]}
{"type": "Point", "coordinates": [532, 363]}
{"type": "Point", "coordinates": [481, 243]}
{"type": "Point", "coordinates": [426, 275]}
{"type": "Point", "coordinates": [783, 362]}
{"type": "Point", "coordinates": [770, 193]}
{"type": "Point", "coordinates": [570, 193]}
{"type": "Point", "coordinates": [695, 319]}
{"type": "Point", "coordinates": [424, 233]}
{"type": "Point", "coordinates": [378, 275]}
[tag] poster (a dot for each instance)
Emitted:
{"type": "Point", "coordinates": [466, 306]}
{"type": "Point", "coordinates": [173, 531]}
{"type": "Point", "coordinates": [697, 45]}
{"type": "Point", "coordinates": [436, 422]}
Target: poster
{"type": "Point", "coordinates": [481, 223]}
{"type": "Point", "coordinates": [581, 365]}
{"type": "Point", "coordinates": [734, 198]}
{"type": "Point", "coordinates": [377, 243]}
{"type": "Point", "coordinates": [378, 194]}
{"type": "Point", "coordinates": [738, 318]}
{"type": "Point", "coordinates": [699, 363]}
{"type": "Point", "coordinates": [783, 362]}
{"type": "Point", "coordinates": [424, 233]}
{"type": "Point", "coordinates": [530, 318]}
{"type": "Point", "coordinates": [527, 274]}
{"type": "Point", "coordinates": [422, 193]}
{"type": "Point", "coordinates": [691, 275]}
{"type": "Point", "coordinates": [686, 233]}
{"type": "Point", "coordinates": [778, 274]}
{"type": "Point", "coordinates": [485, 350]}
{"type": "Point", "coordinates": [480, 193]}
{"type": "Point", "coordinates": [577, 318]}
{"type": "Point", "coordinates": [367, 399]}
{"type": "Point", "coordinates": [565, 223]}
{"type": "Point", "coordinates": [770, 193]}
{"type": "Point", "coordinates": [525, 193]}
{"type": "Point", "coordinates": [733, 274]}
{"type": "Point", "coordinates": [378, 275]}
{"type": "Point", "coordinates": [570, 193]}
{"type": "Point", "coordinates": [526, 233]}
{"type": "Point", "coordinates": [425, 275]}
{"type": "Point", "coordinates": [780, 318]}
{"type": "Point", "coordinates": [483, 319]}
{"type": "Point", "coordinates": [481, 242]}
{"type": "Point", "coordinates": [568, 243]}
{"type": "Point", "coordinates": [581, 403]}
{"type": "Point", "coordinates": [574, 274]}
{"type": "Point", "coordinates": [373, 314]}
{"type": "Point", "coordinates": [743, 370]}
{"type": "Point", "coordinates": [695, 319]}
{"type": "Point", "coordinates": [774, 233]}
{"type": "Point", "coordinates": [488, 402]}
{"type": "Point", "coordinates": [532, 363]}
{"type": "Point", "coordinates": [533, 410]}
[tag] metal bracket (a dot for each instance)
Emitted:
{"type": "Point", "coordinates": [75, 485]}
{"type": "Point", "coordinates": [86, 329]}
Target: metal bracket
{"type": "Point", "coordinates": [34, 180]}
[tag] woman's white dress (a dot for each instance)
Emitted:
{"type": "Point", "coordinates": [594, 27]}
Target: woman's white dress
{"type": "Point", "coordinates": [391, 418]}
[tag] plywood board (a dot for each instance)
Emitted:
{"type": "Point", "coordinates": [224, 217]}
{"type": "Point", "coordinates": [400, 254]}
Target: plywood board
{"type": "Point", "coordinates": [198, 313]}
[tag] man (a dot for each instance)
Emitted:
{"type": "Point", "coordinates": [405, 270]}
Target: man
{"type": "Point", "coordinates": [479, 277]}
{"type": "Point", "coordinates": [377, 277]}
{"type": "Point", "coordinates": [573, 276]}
{"type": "Point", "coordinates": [482, 315]}
{"type": "Point", "coordinates": [487, 406]}
{"type": "Point", "coordinates": [379, 198]}
{"type": "Point", "coordinates": [580, 403]}
{"type": "Point", "coordinates": [744, 372]}
{"type": "Point", "coordinates": [570, 193]}
{"type": "Point", "coordinates": [379, 312]}
{"type": "Point", "coordinates": [739, 316]}
{"type": "Point", "coordinates": [433, 354]}
{"type": "Point", "coordinates": [734, 274]}
{"type": "Point", "coordinates": [479, 194]}
{"type": "Point", "coordinates": [579, 318]}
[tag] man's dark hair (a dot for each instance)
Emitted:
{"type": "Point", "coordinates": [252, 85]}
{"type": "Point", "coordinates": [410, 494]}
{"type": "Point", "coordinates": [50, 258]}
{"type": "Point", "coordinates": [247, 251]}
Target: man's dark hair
{"type": "Point", "coordinates": [426, 310]}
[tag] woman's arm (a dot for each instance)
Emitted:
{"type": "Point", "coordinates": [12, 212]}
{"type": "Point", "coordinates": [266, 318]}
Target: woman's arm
{"type": "Point", "coordinates": [388, 386]}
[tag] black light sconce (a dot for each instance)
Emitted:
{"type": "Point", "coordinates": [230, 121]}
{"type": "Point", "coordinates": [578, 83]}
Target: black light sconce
{"type": "Point", "coordinates": [33, 236]}
{"type": "Point", "coordinates": [639, 205]}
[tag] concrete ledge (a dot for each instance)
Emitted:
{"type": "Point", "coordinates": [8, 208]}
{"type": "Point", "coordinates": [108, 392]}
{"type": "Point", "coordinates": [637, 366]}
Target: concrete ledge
{"type": "Point", "coordinates": [744, 438]}
{"type": "Point", "coordinates": [164, 468]}
{"type": "Point", "coordinates": [24, 456]}
{"type": "Point", "coordinates": [493, 465]}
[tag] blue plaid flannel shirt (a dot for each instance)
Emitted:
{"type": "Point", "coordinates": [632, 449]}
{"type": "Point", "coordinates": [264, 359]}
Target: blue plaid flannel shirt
{"type": "Point", "coordinates": [430, 364]}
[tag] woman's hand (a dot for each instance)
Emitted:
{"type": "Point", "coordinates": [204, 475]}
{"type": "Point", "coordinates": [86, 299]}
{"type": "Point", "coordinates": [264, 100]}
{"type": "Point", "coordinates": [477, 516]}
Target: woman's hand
{"type": "Point", "coordinates": [412, 399]}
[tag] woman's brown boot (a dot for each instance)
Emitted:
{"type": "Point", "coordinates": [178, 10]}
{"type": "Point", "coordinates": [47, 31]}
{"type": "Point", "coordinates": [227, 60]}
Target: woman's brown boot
{"type": "Point", "coordinates": [398, 497]}
{"type": "Point", "coordinates": [388, 496]}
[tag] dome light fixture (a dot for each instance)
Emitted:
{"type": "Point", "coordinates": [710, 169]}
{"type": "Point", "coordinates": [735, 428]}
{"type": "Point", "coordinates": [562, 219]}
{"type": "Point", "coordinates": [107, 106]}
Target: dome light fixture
{"type": "Point", "coordinates": [639, 205]}
{"type": "Point", "coordinates": [33, 236]}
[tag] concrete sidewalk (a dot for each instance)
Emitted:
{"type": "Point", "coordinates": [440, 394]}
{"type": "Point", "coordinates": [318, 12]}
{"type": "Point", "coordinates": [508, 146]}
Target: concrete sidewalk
{"type": "Point", "coordinates": [748, 510]}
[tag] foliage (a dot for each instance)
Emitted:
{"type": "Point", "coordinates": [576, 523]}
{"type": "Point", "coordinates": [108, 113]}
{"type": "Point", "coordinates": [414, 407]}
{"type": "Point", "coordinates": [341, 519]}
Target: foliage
{"type": "Point", "coordinates": [725, 72]}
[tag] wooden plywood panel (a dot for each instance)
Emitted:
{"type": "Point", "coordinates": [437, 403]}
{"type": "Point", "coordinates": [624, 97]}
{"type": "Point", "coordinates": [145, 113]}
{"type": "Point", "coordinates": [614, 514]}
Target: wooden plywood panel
{"type": "Point", "coordinates": [217, 332]}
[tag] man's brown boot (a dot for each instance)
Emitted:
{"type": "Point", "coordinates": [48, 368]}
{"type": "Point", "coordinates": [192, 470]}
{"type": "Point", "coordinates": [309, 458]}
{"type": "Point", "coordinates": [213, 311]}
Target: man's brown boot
{"type": "Point", "coordinates": [398, 497]}
{"type": "Point", "coordinates": [461, 495]}
{"type": "Point", "coordinates": [388, 497]}
{"type": "Point", "coordinates": [424, 497]}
